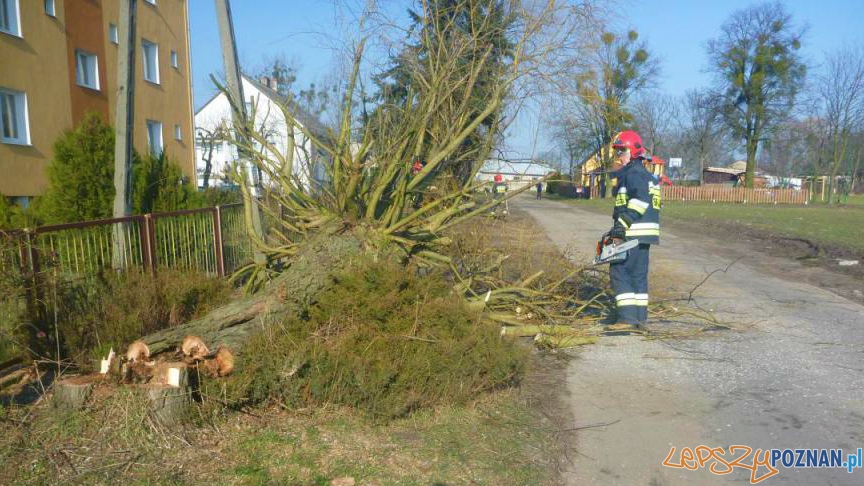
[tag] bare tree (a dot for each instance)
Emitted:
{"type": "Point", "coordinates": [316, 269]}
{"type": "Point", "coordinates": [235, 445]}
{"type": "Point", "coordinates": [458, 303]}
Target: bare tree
{"type": "Point", "coordinates": [703, 134]}
{"type": "Point", "coordinates": [840, 94]}
{"type": "Point", "coordinates": [209, 139]}
{"type": "Point", "coordinates": [656, 116]}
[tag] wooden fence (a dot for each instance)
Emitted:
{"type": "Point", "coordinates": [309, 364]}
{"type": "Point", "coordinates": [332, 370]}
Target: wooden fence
{"type": "Point", "coordinates": [728, 194]}
{"type": "Point", "coordinates": [724, 193]}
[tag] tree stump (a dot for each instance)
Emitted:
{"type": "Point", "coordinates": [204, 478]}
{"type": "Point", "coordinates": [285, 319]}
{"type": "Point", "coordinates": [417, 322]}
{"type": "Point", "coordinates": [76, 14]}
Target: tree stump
{"type": "Point", "coordinates": [72, 393]}
{"type": "Point", "coordinates": [169, 393]}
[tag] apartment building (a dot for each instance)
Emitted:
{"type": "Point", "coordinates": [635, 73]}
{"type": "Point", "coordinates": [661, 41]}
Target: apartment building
{"type": "Point", "coordinates": [58, 61]}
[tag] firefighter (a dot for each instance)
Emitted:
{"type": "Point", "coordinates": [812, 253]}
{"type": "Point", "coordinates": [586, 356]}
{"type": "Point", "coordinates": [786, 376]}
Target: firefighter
{"type": "Point", "coordinates": [636, 216]}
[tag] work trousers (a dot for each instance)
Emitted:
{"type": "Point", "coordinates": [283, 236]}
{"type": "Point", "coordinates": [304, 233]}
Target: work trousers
{"type": "Point", "coordinates": [629, 281]}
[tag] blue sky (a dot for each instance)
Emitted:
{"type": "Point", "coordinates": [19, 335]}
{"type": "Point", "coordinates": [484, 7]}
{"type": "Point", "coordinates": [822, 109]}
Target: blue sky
{"type": "Point", "coordinates": [676, 31]}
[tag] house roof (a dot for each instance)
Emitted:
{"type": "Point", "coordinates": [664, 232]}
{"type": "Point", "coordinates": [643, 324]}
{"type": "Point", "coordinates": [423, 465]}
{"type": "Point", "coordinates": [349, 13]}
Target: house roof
{"type": "Point", "coordinates": [308, 120]}
{"type": "Point", "coordinates": [311, 122]}
{"type": "Point", "coordinates": [724, 170]}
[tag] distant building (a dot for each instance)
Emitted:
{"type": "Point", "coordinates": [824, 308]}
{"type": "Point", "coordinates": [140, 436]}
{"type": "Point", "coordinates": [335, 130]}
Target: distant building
{"type": "Point", "coordinates": [734, 175]}
{"type": "Point", "coordinates": [722, 175]}
{"type": "Point", "coordinates": [262, 99]}
{"type": "Point", "coordinates": [516, 174]}
{"type": "Point", "coordinates": [58, 61]}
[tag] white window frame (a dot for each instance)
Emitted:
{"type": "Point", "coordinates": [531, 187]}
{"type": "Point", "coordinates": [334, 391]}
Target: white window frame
{"type": "Point", "coordinates": [50, 8]}
{"type": "Point", "coordinates": [13, 10]}
{"type": "Point", "coordinates": [114, 33]}
{"type": "Point", "coordinates": [22, 119]}
{"type": "Point", "coordinates": [145, 46]}
{"type": "Point", "coordinates": [153, 148]}
{"type": "Point", "coordinates": [84, 55]}
{"type": "Point", "coordinates": [151, 2]}
{"type": "Point", "coordinates": [175, 59]}
{"type": "Point", "coordinates": [178, 133]}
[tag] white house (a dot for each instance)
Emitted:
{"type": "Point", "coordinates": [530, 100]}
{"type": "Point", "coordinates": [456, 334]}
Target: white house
{"type": "Point", "coordinates": [212, 132]}
{"type": "Point", "coordinates": [516, 174]}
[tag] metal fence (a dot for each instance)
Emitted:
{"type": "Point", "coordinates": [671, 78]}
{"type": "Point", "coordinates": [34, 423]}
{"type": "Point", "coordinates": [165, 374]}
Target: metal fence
{"type": "Point", "coordinates": [208, 240]}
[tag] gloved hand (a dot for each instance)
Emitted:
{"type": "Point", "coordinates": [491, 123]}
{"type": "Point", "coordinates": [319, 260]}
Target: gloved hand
{"type": "Point", "coordinates": [617, 233]}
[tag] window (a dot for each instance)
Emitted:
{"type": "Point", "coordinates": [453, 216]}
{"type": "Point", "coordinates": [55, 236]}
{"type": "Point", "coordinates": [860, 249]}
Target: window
{"type": "Point", "coordinates": [113, 33]}
{"type": "Point", "coordinates": [154, 137]}
{"type": "Point", "coordinates": [49, 8]}
{"type": "Point", "coordinates": [23, 201]}
{"type": "Point", "coordinates": [174, 61]}
{"type": "Point", "coordinates": [178, 134]}
{"type": "Point", "coordinates": [151, 61]}
{"type": "Point", "coordinates": [151, 2]}
{"type": "Point", "coordinates": [9, 21]}
{"type": "Point", "coordinates": [13, 117]}
{"type": "Point", "coordinates": [86, 69]}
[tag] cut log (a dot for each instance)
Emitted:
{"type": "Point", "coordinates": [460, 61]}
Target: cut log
{"type": "Point", "coordinates": [72, 393]}
{"type": "Point", "coordinates": [221, 365]}
{"type": "Point", "coordinates": [566, 341]}
{"type": "Point", "coordinates": [288, 294]}
{"type": "Point", "coordinates": [529, 331]}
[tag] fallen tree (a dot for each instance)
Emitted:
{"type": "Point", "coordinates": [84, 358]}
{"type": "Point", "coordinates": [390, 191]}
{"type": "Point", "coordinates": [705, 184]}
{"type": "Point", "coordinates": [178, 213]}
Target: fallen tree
{"type": "Point", "coordinates": [288, 294]}
{"type": "Point", "coordinates": [386, 193]}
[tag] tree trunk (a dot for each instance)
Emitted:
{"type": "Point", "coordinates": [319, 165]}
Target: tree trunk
{"type": "Point", "coordinates": [288, 294]}
{"type": "Point", "coordinates": [751, 163]}
{"type": "Point", "coordinates": [208, 166]}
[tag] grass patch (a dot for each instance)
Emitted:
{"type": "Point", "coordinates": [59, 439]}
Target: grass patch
{"type": "Point", "coordinates": [503, 438]}
{"type": "Point", "coordinates": [827, 226]}
{"type": "Point", "coordinates": [854, 200]}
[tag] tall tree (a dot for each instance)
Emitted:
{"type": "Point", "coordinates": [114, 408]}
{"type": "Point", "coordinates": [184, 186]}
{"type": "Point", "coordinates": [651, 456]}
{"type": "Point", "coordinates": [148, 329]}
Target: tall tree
{"type": "Point", "coordinates": [758, 73]}
{"type": "Point", "coordinates": [482, 31]}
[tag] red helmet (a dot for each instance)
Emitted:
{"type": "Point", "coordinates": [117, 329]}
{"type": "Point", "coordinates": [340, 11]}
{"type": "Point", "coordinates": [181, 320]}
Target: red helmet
{"type": "Point", "coordinates": [631, 140]}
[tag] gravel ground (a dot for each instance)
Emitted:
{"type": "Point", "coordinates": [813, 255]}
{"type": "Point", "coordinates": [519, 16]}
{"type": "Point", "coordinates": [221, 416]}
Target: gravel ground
{"type": "Point", "coordinates": [790, 375]}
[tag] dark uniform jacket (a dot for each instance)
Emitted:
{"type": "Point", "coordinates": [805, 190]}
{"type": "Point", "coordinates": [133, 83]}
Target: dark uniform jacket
{"type": "Point", "coordinates": [637, 203]}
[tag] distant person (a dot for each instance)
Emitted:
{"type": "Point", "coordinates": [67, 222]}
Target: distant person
{"type": "Point", "coordinates": [539, 190]}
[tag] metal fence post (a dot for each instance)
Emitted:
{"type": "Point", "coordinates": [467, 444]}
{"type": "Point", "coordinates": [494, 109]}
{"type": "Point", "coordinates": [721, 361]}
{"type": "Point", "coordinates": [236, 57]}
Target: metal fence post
{"type": "Point", "coordinates": [217, 241]}
{"type": "Point", "coordinates": [151, 241]}
{"type": "Point", "coordinates": [144, 237]}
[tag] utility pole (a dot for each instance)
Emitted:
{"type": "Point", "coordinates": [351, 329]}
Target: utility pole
{"type": "Point", "coordinates": [124, 126]}
{"type": "Point", "coordinates": [234, 85]}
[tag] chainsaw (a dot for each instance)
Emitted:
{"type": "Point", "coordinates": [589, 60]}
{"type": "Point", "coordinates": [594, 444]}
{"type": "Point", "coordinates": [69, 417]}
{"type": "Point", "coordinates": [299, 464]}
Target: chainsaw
{"type": "Point", "coordinates": [609, 252]}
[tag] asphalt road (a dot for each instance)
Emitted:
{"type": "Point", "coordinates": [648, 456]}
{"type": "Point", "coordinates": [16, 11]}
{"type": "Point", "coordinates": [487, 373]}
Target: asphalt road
{"type": "Point", "coordinates": [791, 374]}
